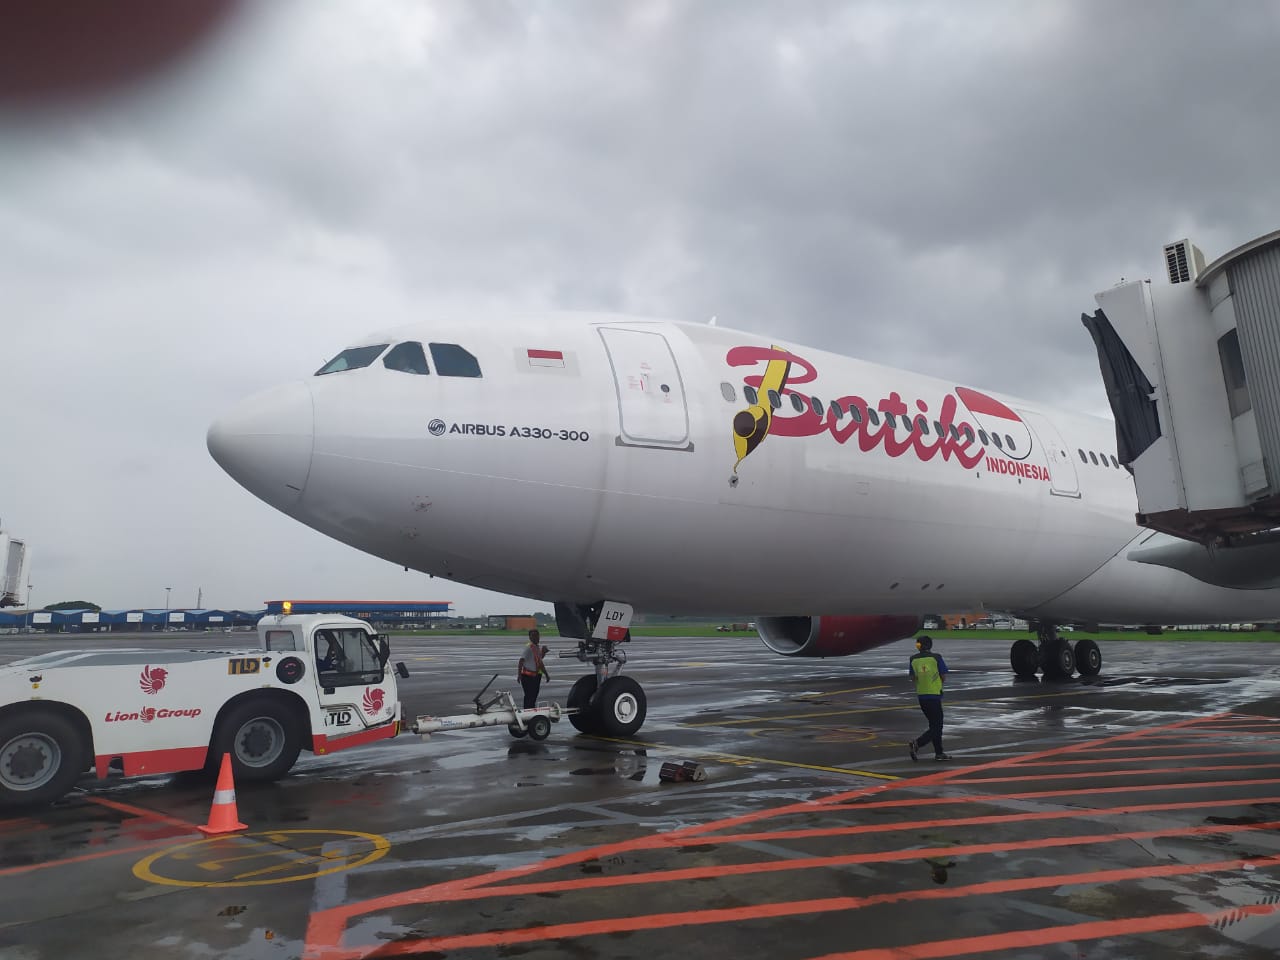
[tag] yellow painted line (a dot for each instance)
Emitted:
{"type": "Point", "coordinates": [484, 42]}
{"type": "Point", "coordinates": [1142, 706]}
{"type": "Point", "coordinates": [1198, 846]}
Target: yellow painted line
{"type": "Point", "coordinates": [739, 758]}
{"type": "Point", "coordinates": [833, 693]}
{"type": "Point", "coordinates": [145, 869]}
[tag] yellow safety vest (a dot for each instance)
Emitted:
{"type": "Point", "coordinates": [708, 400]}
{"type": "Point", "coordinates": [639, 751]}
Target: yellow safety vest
{"type": "Point", "coordinates": [924, 670]}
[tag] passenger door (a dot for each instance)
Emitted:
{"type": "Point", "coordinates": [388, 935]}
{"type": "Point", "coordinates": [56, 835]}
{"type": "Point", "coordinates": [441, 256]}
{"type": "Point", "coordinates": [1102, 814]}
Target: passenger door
{"type": "Point", "coordinates": [652, 410]}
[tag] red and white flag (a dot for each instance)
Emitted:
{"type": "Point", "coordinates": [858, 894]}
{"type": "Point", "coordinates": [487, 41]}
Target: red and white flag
{"type": "Point", "coordinates": [546, 358]}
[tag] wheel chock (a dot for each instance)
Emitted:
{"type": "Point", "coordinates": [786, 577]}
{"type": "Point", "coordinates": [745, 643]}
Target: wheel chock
{"type": "Point", "coordinates": [682, 771]}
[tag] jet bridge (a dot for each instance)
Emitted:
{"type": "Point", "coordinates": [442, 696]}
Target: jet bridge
{"type": "Point", "coordinates": [1192, 370]}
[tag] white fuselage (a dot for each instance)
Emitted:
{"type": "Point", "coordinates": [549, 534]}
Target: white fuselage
{"type": "Point", "coordinates": [595, 457]}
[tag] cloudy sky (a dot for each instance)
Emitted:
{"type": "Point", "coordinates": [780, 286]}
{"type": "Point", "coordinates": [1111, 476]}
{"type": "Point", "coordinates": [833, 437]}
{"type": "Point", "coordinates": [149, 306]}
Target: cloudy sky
{"type": "Point", "coordinates": [936, 186]}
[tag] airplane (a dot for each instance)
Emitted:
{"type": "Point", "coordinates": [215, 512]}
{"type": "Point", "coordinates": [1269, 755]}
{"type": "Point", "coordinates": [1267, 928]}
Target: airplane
{"type": "Point", "coordinates": [593, 458]}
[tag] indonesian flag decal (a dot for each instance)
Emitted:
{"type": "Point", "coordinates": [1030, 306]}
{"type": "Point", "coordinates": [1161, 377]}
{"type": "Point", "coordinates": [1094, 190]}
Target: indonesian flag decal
{"type": "Point", "coordinates": [546, 358]}
{"type": "Point", "coordinates": [997, 419]}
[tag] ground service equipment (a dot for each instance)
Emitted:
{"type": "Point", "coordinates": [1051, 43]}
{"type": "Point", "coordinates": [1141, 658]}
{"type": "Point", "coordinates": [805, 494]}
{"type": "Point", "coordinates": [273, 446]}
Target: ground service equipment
{"type": "Point", "coordinates": [316, 682]}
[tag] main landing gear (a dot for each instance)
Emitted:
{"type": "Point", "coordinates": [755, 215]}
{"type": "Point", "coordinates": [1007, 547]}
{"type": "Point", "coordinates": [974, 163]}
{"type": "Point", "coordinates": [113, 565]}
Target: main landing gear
{"type": "Point", "coordinates": [607, 703]}
{"type": "Point", "coordinates": [1057, 657]}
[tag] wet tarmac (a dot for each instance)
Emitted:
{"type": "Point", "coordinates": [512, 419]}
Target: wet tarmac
{"type": "Point", "coordinates": [1133, 816]}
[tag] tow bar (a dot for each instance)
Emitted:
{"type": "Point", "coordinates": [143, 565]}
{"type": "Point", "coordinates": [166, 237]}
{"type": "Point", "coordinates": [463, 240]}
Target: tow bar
{"type": "Point", "coordinates": [533, 721]}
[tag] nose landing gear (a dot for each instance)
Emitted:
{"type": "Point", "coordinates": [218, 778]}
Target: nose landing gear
{"type": "Point", "coordinates": [605, 702]}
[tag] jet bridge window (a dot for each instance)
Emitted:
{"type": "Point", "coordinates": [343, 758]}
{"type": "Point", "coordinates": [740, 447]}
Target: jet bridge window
{"type": "Point", "coordinates": [452, 360]}
{"type": "Point", "coordinates": [726, 391]}
{"type": "Point", "coordinates": [1233, 373]}
{"type": "Point", "coordinates": [407, 357]}
{"type": "Point", "coordinates": [749, 394]}
{"type": "Point", "coordinates": [353, 358]}
{"type": "Point", "coordinates": [346, 658]}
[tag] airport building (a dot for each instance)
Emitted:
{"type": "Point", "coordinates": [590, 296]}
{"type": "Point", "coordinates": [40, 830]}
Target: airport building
{"type": "Point", "coordinates": [77, 621]}
{"type": "Point", "coordinates": [386, 613]}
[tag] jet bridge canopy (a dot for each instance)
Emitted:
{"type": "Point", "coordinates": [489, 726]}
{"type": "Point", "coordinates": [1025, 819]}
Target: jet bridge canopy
{"type": "Point", "coordinates": [1192, 370]}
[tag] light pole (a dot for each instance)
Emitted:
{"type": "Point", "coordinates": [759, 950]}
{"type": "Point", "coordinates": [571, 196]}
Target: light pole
{"type": "Point", "coordinates": [30, 619]}
{"type": "Point", "coordinates": [166, 599]}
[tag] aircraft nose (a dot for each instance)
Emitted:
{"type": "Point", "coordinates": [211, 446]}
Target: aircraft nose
{"type": "Point", "coordinates": [265, 443]}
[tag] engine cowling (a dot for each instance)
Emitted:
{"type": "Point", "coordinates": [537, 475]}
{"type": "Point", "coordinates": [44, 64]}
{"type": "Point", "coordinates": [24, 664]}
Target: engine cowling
{"type": "Point", "coordinates": [833, 636]}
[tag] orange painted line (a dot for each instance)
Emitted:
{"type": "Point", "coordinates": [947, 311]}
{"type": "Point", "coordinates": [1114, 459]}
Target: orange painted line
{"type": "Point", "coordinates": [1072, 814]}
{"type": "Point", "coordinates": [1095, 774]}
{"type": "Point", "coordinates": [1148, 758]}
{"type": "Point", "coordinates": [1086, 791]}
{"type": "Point", "coordinates": [143, 813]}
{"type": "Point", "coordinates": [22, 825]}
{"type": "Point", "coordinates": [1036, 795]}
{"type": "Point", "coordinates": [757, 868]}
{"type": "Point", "coordinates": [1045, 936]}
{"type": "Point", "coordinates": [325, 928]}
{"type": "Point", "coordinates": [661, 921]}
{"type": "Point", "coordinates": [1208, 732]}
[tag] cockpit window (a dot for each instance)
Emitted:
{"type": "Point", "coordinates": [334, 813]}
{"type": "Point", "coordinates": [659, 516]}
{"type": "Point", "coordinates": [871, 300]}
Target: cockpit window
{"type": "Point", "coordinates": [452, 361]}
{"type": "Point", "coordinates": [406, 357]}
{"type": "Point", "coordinates": [352, 358]}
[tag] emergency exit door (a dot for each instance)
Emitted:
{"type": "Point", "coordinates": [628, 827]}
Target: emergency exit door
{"type": "Point", "coordinates": [1063, 479]}
{"type": "Point", "coordinates": [652, 411]}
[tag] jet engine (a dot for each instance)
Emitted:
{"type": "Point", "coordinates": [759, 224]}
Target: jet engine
{"type": "Point", "coordinates": [833, 636]}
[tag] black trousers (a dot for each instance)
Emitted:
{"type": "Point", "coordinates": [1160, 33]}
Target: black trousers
{"type": "Point", "coordinates": [531, 685]}
{"type": "Point", "coordinates": [932, 709]}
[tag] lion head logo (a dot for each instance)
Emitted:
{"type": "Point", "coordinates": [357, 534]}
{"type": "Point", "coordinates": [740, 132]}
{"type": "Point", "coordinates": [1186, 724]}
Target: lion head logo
{"type": "Point", "coordinates": [373, 701]}
{"type": "Point", "coordinates": [147, 714]}
{"type": "Point", "coordinates": [152, 679]}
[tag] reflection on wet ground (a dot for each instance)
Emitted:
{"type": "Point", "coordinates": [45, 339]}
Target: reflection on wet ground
{"type": "Point", "coordinates": [1135, 816]}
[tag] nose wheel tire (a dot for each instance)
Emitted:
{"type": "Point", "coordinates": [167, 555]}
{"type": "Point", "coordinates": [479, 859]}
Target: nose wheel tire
{"type": "Point", "coordinates": [621, 707]}
{"type": "Point", "coordinates": [579, 699]}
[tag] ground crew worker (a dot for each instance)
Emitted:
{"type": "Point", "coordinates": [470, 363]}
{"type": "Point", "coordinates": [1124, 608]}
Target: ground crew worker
{"type": "Point", "coordinates": [928, 669]}
{"type": "Point", "coordinates": [530, 669]}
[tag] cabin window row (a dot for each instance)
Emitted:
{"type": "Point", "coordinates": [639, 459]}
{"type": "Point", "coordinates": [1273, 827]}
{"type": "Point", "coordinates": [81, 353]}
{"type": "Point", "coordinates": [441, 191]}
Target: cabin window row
{"type": "Point", "coordinates": [919, 423]}
{"type": "Point", "coordinates": [1098, 459]}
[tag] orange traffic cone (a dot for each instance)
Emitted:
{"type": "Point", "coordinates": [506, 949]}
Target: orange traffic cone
{"type": "Point", "coordinates": [222, 815]}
